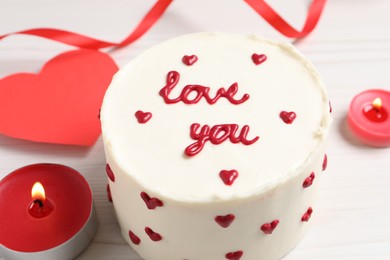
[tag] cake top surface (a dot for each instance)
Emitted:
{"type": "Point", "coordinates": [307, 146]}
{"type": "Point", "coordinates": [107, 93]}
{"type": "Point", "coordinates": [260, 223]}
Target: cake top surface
{"type": "Point", "coordinates": [213, 116]}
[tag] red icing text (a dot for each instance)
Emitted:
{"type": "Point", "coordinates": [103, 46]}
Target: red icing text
{"type": "Point", "coordinates": [173, 78]}
{"type": "Point", "coordinates": [216, 135]}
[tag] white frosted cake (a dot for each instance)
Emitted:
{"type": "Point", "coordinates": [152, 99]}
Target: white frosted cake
{"type": "Point", "coordinates": [215, 147]}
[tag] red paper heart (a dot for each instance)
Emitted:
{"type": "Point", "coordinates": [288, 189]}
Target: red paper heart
{"type": "Point", "coordinates": [268, 228]}
{"type": "Point", "coordinates": [258, 58]}
{"type": "Point", "coordinates": [225, 221]}
{"type": "Point", "coordinates": [151, 203]}
{"type": "Point", "coordinates": [60, 104]}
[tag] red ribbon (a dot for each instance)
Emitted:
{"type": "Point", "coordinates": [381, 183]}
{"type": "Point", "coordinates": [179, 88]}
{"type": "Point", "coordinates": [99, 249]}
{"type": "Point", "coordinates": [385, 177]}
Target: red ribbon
{"type": "Point", "coordinates": [260, 6]}
{"type": "Point", "coordinates": [276, 21]}
{"type": "Point", "coordinates": [82, 41]}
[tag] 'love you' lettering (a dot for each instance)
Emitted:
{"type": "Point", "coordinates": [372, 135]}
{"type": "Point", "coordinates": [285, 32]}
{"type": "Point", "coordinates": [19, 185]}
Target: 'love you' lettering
{"type": "Point", "coordinates": [216, 135]}
{"type": "Point", "coordinates": [173, 78]}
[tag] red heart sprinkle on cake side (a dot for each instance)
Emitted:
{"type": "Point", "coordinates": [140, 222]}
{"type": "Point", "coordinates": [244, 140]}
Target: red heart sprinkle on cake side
{"type": "Point", "coordinates": [287, 117]}
{"type": "Point", "coordinates": [134, 238]}
{"type": "Point", "coordinates": [258, 58]}
{"type": "Point", "coordinates": [234, 255]}
{"type": "Point", "coordinates": [330, 107]}
{"type": "Point", "coordinates": [268, 228]}
{"type": "Point", "coordinates": [309, 180]}
{"type": "Point", "coordinates": [151, 203]}
{"type": "Point", "coordinates": [109, 193]}
{"type": "Point", "coordinates": [189, 59]}
{"type": "Point", "coordinates": [325, 162]}
{"type": "Point", "coordinates": [225, 221]}
{"type": "Point", "coordinates": [228, 177]}
{"type": "Point", "coordinates": [110, 173]}
{"type": "Point", "coordinates": [143, 117]}
{"type": "Point", "coordinates": [307, 215]}
{"type": "Point", "coordinates": [153, 235]}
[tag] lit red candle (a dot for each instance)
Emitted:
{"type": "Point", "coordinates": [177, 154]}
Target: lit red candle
{"type": "Point", "coordinates": [46, 212]}
{"type": "Point", "coordinates": [369, 117]}
{"type": "Point", "coordinates": [40, 206]}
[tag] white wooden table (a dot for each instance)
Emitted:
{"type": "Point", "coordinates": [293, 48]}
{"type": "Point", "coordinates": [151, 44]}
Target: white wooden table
{"type": "Point", "coordinates": [350, 48]}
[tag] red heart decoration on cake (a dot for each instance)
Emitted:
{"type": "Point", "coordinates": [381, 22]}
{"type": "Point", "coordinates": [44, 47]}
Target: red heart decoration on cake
{"type": "Point", "coordinates": [189, 59]}
{"type": "Point", "coordinates": [110, 173]}
{"type": "Point", "coordinates": [225, 221]}
{"type": "Point", "coordinates": [153, 235]}
{"type": "Point", "coordinates": [143, 117]}
{"type": "Point", "coordinates": [268, 228]}
{"type": "Point", "coordinates": [325, 163]}
{"type": "Point", "coordinates": [228, 177]}
{"type": "Point", "coordinates": [234, 255]}
{"type": "Point", "coordinates": [134, 238]}
{"type": "Point", "coordinates": [307, 215]}
{"type": "Point", "coordinates": [288, 117]}
{"type": "Point", "coordinates": [109, 197]}
{"type": "Point", "coordinates": [60, 104]}
{"type": "Point", "coordinates": [309, 180]}
{"type": "Point", "coordinates": [151, 203]}
{"type": "Point", "coordinates": [258, 58]}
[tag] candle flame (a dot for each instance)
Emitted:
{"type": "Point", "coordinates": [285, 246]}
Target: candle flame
{"type": "Point", "coordinates": [377, 103]}
{"type": "Point", "coordinates": [38, 192]}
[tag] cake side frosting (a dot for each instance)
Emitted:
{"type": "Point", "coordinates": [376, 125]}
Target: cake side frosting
{"type": "Point", "coordinates": [215, 147]}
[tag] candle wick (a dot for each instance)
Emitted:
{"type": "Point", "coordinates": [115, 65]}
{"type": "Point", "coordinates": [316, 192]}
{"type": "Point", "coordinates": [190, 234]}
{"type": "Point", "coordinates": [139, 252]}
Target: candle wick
{"type": "Point", "coordinates": [39, 202]}
{"type": "Point", "coordinates": [377, 104]}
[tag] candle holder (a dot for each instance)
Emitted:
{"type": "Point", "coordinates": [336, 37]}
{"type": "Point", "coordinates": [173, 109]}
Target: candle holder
{"type": "Point", "coordinates": [368, 117]}
{"type": "Point", "coordinates": [46, 212]}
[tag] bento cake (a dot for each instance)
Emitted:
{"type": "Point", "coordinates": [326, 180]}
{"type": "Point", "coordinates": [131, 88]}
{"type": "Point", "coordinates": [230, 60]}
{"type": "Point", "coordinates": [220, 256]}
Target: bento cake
{"type": "Point", "coordinates": [215, 146]}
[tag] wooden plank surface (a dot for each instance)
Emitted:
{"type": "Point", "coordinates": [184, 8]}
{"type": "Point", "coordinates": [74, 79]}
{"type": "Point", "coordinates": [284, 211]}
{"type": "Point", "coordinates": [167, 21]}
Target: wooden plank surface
{"type": "Point", "coordinates": [350, 48]}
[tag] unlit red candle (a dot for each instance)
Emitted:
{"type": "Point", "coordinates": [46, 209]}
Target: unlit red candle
{"type": "Point", "coordinates": [369, 118]}
{"type": "Point", "coordinates": [46, 212]}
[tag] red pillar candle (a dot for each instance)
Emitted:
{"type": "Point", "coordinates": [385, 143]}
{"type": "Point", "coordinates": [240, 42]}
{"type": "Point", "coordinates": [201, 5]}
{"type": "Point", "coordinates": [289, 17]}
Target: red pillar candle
{"type": "Point", "coordinates": [53, 220]}
{"type": "Point", "coordinates": [369, 117]}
